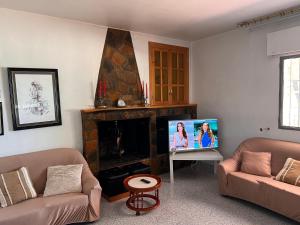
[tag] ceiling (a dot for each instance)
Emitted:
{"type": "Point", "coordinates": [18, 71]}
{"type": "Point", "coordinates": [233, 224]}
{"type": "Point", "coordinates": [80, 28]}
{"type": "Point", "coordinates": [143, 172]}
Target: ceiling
{"type": "Point", "coordinates": [180, 19]}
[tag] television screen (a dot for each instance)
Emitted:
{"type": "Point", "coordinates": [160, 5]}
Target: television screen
{"type": "Point", "coordinates": [196, 134]}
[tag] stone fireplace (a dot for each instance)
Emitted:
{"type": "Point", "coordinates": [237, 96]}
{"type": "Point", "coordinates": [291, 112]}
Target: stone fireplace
{"type": "Point", "coordinates": [114, 137]}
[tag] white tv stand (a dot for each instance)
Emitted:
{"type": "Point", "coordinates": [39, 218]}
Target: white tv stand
{"type": "Point", "coordinates": [211, 155]}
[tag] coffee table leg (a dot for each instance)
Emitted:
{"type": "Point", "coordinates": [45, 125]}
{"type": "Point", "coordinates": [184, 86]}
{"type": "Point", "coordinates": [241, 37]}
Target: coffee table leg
{"type": "Point", "coordinates": [138, 204]}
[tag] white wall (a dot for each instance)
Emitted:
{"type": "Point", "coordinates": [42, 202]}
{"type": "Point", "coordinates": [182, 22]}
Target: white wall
{"type": "Point", "coordinates": [232, 78]}
{"type": "Point", "coordinates": [75, 49]}
{"type": "Point", "coordinates": [235, 81]}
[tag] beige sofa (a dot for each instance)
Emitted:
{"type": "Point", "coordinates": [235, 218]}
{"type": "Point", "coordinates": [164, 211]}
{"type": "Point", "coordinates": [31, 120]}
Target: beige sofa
{"type": "Point", "coordinates": [265, 191]}
{"type": "Point", "coordinates": [59, 209]}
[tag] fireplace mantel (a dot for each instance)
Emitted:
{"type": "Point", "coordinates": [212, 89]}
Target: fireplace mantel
{"type": "Point", "coordinates": [91, 118]}
{"type": "Point", "coordinates": [95, 110]}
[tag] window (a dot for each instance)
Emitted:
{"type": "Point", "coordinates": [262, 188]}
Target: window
{"type": "Point", "coordinates": [289, 112]}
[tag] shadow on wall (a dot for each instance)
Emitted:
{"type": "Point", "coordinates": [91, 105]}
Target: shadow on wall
{"type": "Point", "coordinates": [73, 117]}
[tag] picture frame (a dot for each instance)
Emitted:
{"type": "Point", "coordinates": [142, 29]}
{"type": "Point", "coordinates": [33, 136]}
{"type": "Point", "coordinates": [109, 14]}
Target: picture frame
{"type": "Point", "coordinates": [1, 120]}
{"type": "Point", "coordinates": [34, 95]}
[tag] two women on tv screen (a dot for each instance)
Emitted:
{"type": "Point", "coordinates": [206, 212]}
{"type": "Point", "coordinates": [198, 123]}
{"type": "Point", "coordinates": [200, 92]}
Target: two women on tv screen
{"type": "Point", "coordinates": [205, 137]}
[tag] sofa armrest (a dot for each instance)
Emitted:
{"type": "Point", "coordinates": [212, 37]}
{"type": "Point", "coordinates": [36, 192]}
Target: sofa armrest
{"type": "Point", "coordinates": [92, 188]}
{"type": "Point", "coordinates": [225, 167]}
{"type": "Point", "coordinates": [89, 185]}
{"type": "Point", "coordinates": [229, 165]}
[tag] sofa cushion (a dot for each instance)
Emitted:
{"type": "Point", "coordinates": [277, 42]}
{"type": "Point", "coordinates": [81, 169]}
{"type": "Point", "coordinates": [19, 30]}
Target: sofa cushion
{"type": "Point", "coordinates": [290, 172]}
{"type": "Point", "coordinates": [257, 163]}
{"type": "Point", "coordinates": [15, 186]}
{"type": "Point", "coordinates": [63, 179]}
{"type": "Point", "coordinates": [281, 197]}
{"type": "Point", "coordinates": [62, 209]}
{"type": "Point", "coordinates": [246, 186]}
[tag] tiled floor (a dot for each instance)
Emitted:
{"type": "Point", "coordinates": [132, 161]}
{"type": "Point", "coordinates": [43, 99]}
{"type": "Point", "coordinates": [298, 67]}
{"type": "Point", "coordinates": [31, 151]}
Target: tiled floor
{"type": "Point", "coordinates": [192, 199]}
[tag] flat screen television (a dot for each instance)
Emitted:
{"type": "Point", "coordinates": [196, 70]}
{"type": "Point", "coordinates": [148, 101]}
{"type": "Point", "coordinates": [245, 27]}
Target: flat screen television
{"type": "Point", "coordinates": [197, 134]}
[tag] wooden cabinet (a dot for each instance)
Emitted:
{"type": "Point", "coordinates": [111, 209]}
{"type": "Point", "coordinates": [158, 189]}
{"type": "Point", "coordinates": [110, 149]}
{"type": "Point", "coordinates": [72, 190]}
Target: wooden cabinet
{"type": "Point", "coordinates": [169, 74]}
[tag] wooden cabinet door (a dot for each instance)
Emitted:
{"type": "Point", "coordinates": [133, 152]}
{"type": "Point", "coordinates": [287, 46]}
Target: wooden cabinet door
{"type": "Point", "coordinates": [159, 81]}
{"type": "Point", "coordinates": [168, 74]}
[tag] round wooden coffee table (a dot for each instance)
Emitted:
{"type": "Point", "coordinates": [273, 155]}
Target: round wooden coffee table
{"type": "Point", "coordinates": [137, 189]}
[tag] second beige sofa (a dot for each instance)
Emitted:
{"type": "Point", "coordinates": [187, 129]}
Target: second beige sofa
{"type": "Point", "coordinates": [265, 191]}
{"type": "Point", "coordinates": [54, 210]}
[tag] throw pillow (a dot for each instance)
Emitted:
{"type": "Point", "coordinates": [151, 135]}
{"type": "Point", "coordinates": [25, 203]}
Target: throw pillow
{"type": "Point", "coordinates": [15, 186]}
{"type": "Point", "coordinates": [290, 173]}
{"type": "Point", "coordinates": [257, 163]}
{"type": "Point", "coordinates": [63, 179]}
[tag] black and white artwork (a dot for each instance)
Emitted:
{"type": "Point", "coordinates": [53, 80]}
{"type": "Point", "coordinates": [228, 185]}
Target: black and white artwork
{"type": "Point", "coordinates": [1, 120]}
{"type": "Point", "coordinates": [34, 97]}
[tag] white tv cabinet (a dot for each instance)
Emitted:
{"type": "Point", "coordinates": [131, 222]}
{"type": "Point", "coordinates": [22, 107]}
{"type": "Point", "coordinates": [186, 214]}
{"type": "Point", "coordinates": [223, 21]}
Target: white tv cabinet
{"type": "Point", "coordinates": [211, 155]}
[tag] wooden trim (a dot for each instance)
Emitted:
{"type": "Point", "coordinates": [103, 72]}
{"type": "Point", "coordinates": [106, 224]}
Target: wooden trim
{"type": "Point", "coordinates": [151, 78]}
{"type": "Point", "coordinates": [166, 46]}
{"type": "Point", "coordinates": [187, 79]}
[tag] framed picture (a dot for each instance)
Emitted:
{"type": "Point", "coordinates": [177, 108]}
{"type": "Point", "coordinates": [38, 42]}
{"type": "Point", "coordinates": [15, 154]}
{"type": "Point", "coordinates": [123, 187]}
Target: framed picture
{"type": "Point", "coordinates": [34, 95]}
{"type": "Point", "coordinates": [1, 120]}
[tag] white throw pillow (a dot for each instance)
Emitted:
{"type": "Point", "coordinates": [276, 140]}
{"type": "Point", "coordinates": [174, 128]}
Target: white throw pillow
{"type": "Point", "coordinates": [63, 179]}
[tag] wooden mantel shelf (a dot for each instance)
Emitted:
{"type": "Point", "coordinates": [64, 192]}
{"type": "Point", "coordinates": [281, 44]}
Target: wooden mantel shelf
{"type": "Point", "coordinates": [93, 110]}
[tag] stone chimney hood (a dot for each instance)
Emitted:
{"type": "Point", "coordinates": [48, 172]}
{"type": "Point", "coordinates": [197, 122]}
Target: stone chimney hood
{"type": "Point", "coordinates": [118, 75]}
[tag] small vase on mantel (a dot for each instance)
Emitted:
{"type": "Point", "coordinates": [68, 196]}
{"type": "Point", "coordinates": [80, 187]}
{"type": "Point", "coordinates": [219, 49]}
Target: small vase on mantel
{"type": "Point", "coordinates": [121, 103]}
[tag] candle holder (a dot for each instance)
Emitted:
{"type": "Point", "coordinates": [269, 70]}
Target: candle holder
{"type": "Point", "coordinates": [100, 104]}
{"type": "Point", "coordinates": [146, 102]}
